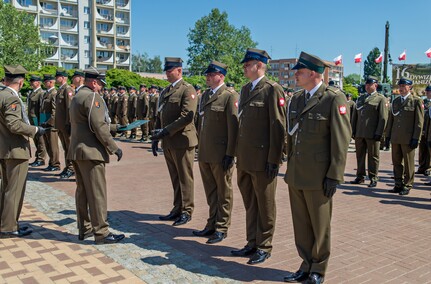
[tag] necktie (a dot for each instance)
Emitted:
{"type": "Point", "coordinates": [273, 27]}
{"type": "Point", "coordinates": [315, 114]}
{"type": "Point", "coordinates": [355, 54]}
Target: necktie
{"type": "Point", "coordinates": [402, 100]}
{"type": "Point", "coordinates": [211, 94]}
{"type": "Point", "coordinates": [307, 97]}
{"type": "Point", "coordinates": [251, 87]}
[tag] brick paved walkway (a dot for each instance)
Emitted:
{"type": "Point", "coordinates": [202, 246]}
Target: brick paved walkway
{"type": "Point", "coordinates": [378, 237]}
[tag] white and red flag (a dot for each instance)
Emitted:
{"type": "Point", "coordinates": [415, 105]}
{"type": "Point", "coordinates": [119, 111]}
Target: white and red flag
{"type": "Point", "coordinates": [428, 53]}
{"type": "Point", "coordinates": [379, 59]}
{"type": "Point", "coordinates": [338, 60]}
{"type": "Point", "coordinates": [358, 58]}
{"type": "Point", "coordinates": [402, 56]}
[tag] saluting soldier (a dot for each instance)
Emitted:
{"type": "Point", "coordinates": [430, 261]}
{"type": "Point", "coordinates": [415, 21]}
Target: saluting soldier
{"type": "Point", "coordinates": [404, 130]}
{"type": "Point", "coordinates": [91, 145]}
{"type": "Point", "coordinates": [33, 102]}
{"type": "Point", "coordinates": [142, 111]}
{"type": "Point", "coordinates": [424, 152]}
{"type": "Point", "coordinates": [261, 135]}
{"type": "Point", "coordinates": [62, 121]}
{"type": "Point", "coordinates": [319, 133]}
{"type": "Point", "coordinates": [132, 104]}
{"type": "Point", "coordinates": [15, 129]}
{"type": "Point", "coordinates": [47, 119]}
{"type": "Point", "coordinates": [368, 124]}
{"type": "Point", "coordinates": [174, 125]}
{"type": "Point", "coordinates": [122, 107]}
{"type": "Point", "coordinates": [218, 129]}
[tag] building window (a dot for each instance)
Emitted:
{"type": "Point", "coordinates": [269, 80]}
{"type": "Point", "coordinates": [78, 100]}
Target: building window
{"type": "Point", "coordinates": [86, 24]}
{"type": "Point", "coordinates": [86, 39]}
{"type": "Point", "coordinates": [86, 10]}
{"type": "Point", "coordinates": [86, 53]}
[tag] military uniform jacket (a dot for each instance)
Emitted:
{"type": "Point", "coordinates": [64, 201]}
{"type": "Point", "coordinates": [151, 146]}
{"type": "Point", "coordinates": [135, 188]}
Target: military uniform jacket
{"type": "Point", "coordinates": [405, 120]}
{"type": "Point", "coordinates": [90, 138]}
{"type": "Point", "coordinates": [153, 102]}
{"type": "Point", "coordinates": [318, 138]}
{"type": "Point", "coordinates": [177, 106]}
{"type": "Point", "coordinates": [262, 118]}
{"type": "Point", "coordinates": [425, 129]}
{"type": "Point", "coordinates": [142, 106]}
{"type": "Point", "coordinates": [14, 131]}
{"type": "Point", "coordinates": [122, 105]}
{"type": "Point", "coordinates": [47, 106]}
{"type": "Point", "coordinates": [370, 115]}
{"type": "Point", "coordinates": [113, 103]}
{"type": "Point", "coordinates": [62, 104]}
{"type": "Point", "coordinates": [132, 103]}
{"type": "Point", "coordinates": [33, 104]}
{"type": "Point", "coordinates": [218, 127]}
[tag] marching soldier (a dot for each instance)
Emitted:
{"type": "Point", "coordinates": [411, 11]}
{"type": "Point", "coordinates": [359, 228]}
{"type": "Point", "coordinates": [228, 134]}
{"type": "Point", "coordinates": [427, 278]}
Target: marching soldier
{"type": "Point", "coordinates": [319, 133]}
{"type": "Point", "coordinates": [142, 111]}
{"type": "Point", "coordinates": [368, 123]}
{"type": "Point", "coordinates": [217, 141]}
{"type": "Point", "coordinates": [47, 119]}
{"type": "Point", "coordinates": [404, 130]}
{"type": "Point", "coordinates": [153, 101]}
{"type": "Point", "coordinates": [15, 129]}
{"type": "Point", "coordinates": [91, 145]}
{"type": "Point", "coordinates": [33, 102]}
{"type": "Point", "coordinates": [174, 125]}
{"type": "Point", "coordinates": [424, 151]}
{"type": "Point", "coordinates": [132, 103]}
{"type": "Point", "coordinates": [261, 135]}
{"type": "Point", "coordinates": [62, 121]}
{"type": "Point", "coordinates": [122, 107]}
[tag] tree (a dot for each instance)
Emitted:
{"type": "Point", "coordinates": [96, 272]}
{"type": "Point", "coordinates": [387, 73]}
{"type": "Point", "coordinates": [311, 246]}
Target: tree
{"type": "Point", "coordinates": [371, 68]}
{"type": "Point", "coordinates": [142, 63]}
{"type": "Point", "coordinates": [213, 38]}
{"type": "Point", "coordinates": [19, 39]}
{"type": "Point", "coordinates": [352, 79]}
{"type": "Point", "coordinates": [350, 89]}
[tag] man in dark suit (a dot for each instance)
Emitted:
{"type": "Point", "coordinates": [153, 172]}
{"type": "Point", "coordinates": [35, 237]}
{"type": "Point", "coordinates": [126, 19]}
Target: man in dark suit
{"type": "Point", "coordinates": [218, 131]}
{"type": "Point", "coordinates": [15, 129]}
{"type": "Point", "coordinates": [90, 146]}
{"type": "Point", "coordinates": [175, 127]}
{"type": "Point", "coordinates": [261, 135]}
{"type": "Point", "coordinates": [319, 133]}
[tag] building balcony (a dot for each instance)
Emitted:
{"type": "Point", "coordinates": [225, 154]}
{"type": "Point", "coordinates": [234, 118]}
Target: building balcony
{"type": "Point", "coordinates": [69, 58]}
{"type": "Point", "coordinates": [122, 48]}
{"type": "Point", "coordinates": [124, 20]}
{"type": "Point", "coordinates": [48, 11]}
{"type": "Point", "coordinates": [70, 1]}
{"type": "Point", "coordinates": [23, 5]}
{"type": "Point", "coordinates": [124, 4]}
{"type": "Point", "coordinates": [123, 61]}
{"type": "Point", "coordinates": [104, 17]}
{"type": "Point", "coordinates": [69, 41]}
{"type": "Point", "coordinates": [104, 60]}
{"type": "Point", "coordinates": [49, 25]}
{"type": "Point", "coordinates": [123, 34]}
{"type": "Point", "coordinates": [68, 12]}
{"type": "Point", "coordinates": [104, 44]}
{"type": "Point", "coordinates": [109, 3]}
{"type": "Point", "coordinates": [106, 32]}
{"type": "Point", "coordinates": [54, 57]}
{"type": "Point", "coordinates": [69, 28]}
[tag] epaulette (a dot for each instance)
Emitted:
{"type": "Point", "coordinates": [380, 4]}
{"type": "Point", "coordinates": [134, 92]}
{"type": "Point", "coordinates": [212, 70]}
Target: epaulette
{"type": "Point", "coordinates": [272, 83]}
{"type": "Point", "coordinates": [298, 92]}
{"type": "Point", "coordinates": [335, 90]}
{"type": "Point", "coordinates": [187, 84]}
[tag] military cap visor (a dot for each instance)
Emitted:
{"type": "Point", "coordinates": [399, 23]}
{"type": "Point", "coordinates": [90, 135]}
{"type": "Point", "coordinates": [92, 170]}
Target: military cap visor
{"type": "Point", "coordinates": [121, 88]}
{"type": "Point", "coordinates": [311, 62]}
{"type": "Point", "coordinates": [14, 71]}
{"type": "Point", "coordinates": [61, 72]}
{"type": "Point", "coordinates": [93, 73]}
{"type": "Point", "coordinates": [35, 78]}
{"type": "Point", "coordinates": [113, 89]}
{"type": "Point", "coordinates": [172, 62]}
{"type": "Point", "coordinates": [213, 68]}
{"type": "Point", "coordinates": [371, 80]}
{"type": "Point", "coordinates": [48, 77]}
{"type": "Point", "coordinates": [230, 85]}
{"type": "Point", "coordinates": [405, 81]}
{"type": "Point", "coordinates": [142, 86]}
{"type": "Point", "coordinates": [78, 73]}
{"type": "Point", "coordinates": [428, 88]}
{"type": "Point", "coordinates": [256, 54]}
{"type": "Point", "coordinates": [132, 88]}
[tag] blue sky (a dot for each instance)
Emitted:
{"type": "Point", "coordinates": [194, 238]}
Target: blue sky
{"type": "Point", "coordinates": [285, 28]}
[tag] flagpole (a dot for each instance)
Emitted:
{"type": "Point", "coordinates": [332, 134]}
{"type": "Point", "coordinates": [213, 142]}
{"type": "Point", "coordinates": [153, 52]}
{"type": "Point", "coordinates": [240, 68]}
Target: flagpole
{"type": "Point", "coordinates": [360, 72]}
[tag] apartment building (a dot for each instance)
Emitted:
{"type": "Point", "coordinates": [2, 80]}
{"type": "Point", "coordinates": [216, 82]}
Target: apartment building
{"type": "Point", "coordinates": [83, 32]}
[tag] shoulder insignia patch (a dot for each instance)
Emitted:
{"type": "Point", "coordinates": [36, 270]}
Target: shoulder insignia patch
{"type": "Point", "coordinates": [13, 107]}
{"type": "Point", "coordinates": [342, 109]}
{"type": "Point", "coordinates": [281, 102]}
{"type": "Point", "coordinates": [236, 104]}
{"type": "Point", "coordinates": [193, 96]}
{"type": "Point", "coordinates": [97, 104]}
{"type": "Point", "coordinates": [70, 93]}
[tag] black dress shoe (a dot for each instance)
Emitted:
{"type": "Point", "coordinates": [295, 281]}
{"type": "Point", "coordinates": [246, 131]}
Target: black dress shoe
{"type": "Point", "coordinates": [297, 276]}
{"type": "Point", "coordinates": [183, 219]}
{"type": "Point", "coordinates": [216, 238]}
{"type": "Point", "coordinates": [419, 172]}
{"type": "Point", "coordinates": [67, 174]}
{"type": "Point", "coordinates": [258, 257]}
{"type": "Point", "coordinates": [427, 183]}
{"type": "Point", "coordinates": [245, 251]}
{"type": "Point", "coordinates": [315, 278]}
{"type": "Point", "coordinates": [170, 216]}
{"type": "Point", "coordinates": [51, 169]}
{"type": "Point", "coordinates": [82, 237]}
{"type": "Point", "coordinates": [405, 191]}
{"type": "Point", "coordinates": [373, 183]}
{"type": "Point", "coordinates": [16, 234]}
{"type": "Point", "coordinates": [204, 233]}
{"type": "Point", "coordinates": [396, 189]}
{"type": "Point", "coordinates": [110, 239]}
{"type": "Point", "coordinates": [37, 164]}
{"type": "Point", "coordinates": [357, 180]}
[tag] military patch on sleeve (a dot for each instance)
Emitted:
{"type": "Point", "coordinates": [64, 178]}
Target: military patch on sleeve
{"type": "Point", "coordinates": [193, 96]}
{"type": "Point", "coordinates": [96, 104]}
{"type": "Point", "coordinates": [70, 94]}
{"type": "Point", "coordinates": [236, 104]}
{"type": "Point", "coordinates": [13, 107]}
{"type": "Point", "coordinates": [281, 102]}
{"type": "Point", "coordinates": [423, 106]}
{"type": "Point", "coordinates": [342, 109]}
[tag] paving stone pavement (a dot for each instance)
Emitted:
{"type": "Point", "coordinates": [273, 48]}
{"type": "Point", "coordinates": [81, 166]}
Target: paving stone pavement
{"type": "Point", "coordinates": [377, 237]}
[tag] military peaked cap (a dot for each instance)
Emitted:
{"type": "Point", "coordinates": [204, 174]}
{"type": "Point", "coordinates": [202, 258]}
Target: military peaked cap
{"type": "Point", "coordinates": [61, 72]}
{"type": "Point", "coordinates": [197, 87]}
{"type": "Point", "coordinates": [48, 77]}
{"type": "Point", "coordinates": [113, 89]}
{"type": "Point", "coordinates": [230, 84]}
{"type": "Point", "coordinates": [35, 78]}
{"type": "Point", "coordinates": [256, 54]}
{"type": "Point", "coordinates": [428, 88]}
{"type": "Point", "coordinates": [142, 86]}
{"type": "Point", "coordinates": [13, 71]}
{"type": "Point", "coordinates": [94, 73]}
{"type": "Point", "coordinates": [78, 73]}
{"type": "Point", "coordinates": [171, 62]}
{"type": "Point", "coordinates": [121, 88]}
{"type": "Point", "coordinates": [216, 67]}
{"type": "Point", "coordinates": [372, 80]}
{"type": "Point", "coordinates": [311, 62]}
{"type": "Point", "coordinates": [405, 81]}
{"type": "Point", "coordinates": [132, 88]}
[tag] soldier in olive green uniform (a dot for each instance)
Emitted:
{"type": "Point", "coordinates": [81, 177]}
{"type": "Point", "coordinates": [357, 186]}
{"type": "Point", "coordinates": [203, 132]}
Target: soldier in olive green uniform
{"type": "Point", "coordinates": [424, 152]}
{"type": "Point", "coordinates": [62, 121]}
{"type": "Point", "coordinates": [152, 112]}
{"type": "Point", "coordinates": [319, 133]}
{"type": "Point", "coordinates": [15, 129]}
{"type": "Point", "coordinates": [261, 134]}
{"type": "Point", "coordinates": [352, 105]}
{"type": "Point", "coordinates": [174, 125]}
{"type": "Point", "coordinates": [33, 102]}
{"type": "Point", "coordinates": [142, 111]}
{"type": "Point", "coordinates": [47, 119]}
{"type": "Point", "coordinates": [404, 129]}
{"type": "Point", "coordinates": [218, 131]}
{"type": "Point", "coordinates": [90, 147]}
{"type": "Point", "coordinates": [132, 104]}
{"type": "Point", "coordinates": [368, 124]}
{"type": "Point", "coordinates": [122, 107]}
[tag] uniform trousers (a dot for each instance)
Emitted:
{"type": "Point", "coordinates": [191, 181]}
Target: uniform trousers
{"type": "Point", "coordinates": [39, 142]}
{"type": "Point", "coordinates": [403, 159]}
{"type": "Point", "coordinates": [258, 195]}
{"type": "Point", "coordinates": [180, 166]}
{"type": "Point", "coordinates": [218, 191]}
{"type": "Point", "coordinates": [144, 128]}
{"type": "Point", "coordinates": [91, 198]}
{"type": "Point", "coordinates": [14, 178]}
{"type": "Point", "coordinates": [51, 143]}
{"type": "Point", "coordinates": [371, 148]}
{"type": "Point", "coordinates": [311, 215]}
{"type": "Point", "coordinates": [424, 155]}
{"type": "Point", "coordinates": [65, 142]}
{"type": "Point", "coordinates": [132, 119]}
